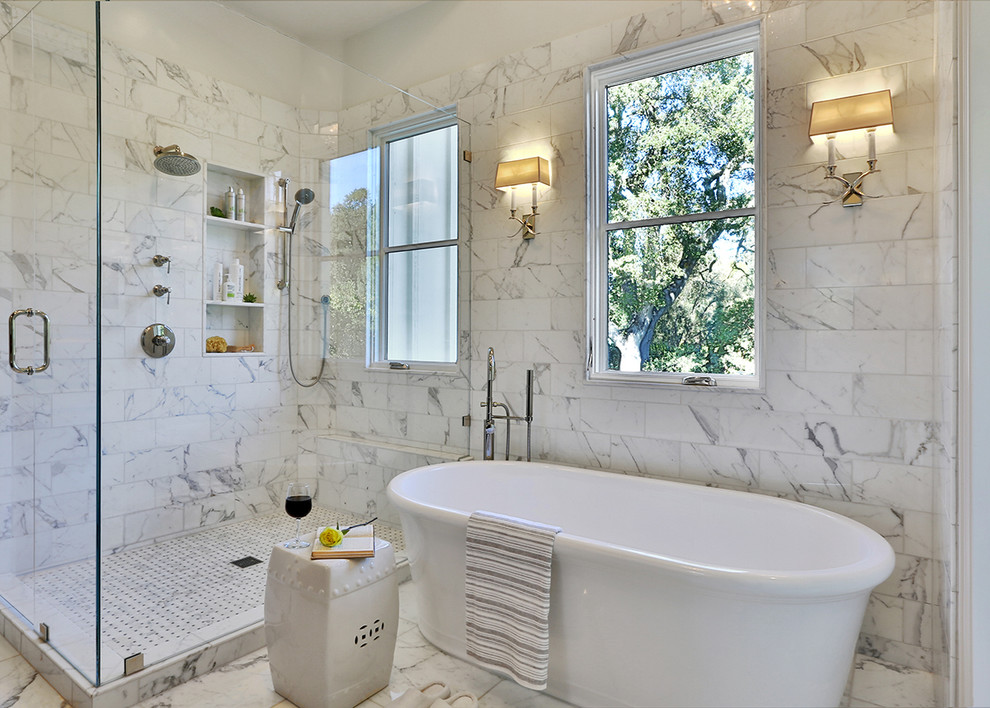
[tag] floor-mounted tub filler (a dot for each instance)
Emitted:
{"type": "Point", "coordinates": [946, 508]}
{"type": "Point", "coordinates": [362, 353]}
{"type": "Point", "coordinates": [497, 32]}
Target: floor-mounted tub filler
{"type": "Point", "coordinates": [662, 593]}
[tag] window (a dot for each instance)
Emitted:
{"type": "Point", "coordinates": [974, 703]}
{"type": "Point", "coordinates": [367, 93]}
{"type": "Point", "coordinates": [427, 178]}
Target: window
{"type": "Point", "coordinates": [674, 205]}
{"type": "Point", "coordinates": [415, 318]}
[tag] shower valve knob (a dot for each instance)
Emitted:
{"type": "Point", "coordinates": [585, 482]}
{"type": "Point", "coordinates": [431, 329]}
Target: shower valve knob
{"type": "Point", "coordinates": [157, 340]}
{"type": "Point", "coordinates": [160, 260]}
{"type": "Point", "coordinates": [160, 290]}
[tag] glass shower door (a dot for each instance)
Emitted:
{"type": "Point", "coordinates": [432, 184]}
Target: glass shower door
{"type": "Point", "coordinates": [49, 444]}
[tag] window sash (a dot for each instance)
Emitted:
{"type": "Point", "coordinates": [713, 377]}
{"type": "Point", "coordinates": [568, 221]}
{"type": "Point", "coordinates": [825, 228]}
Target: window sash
{"type": "Point", "coordinates": [679, 55]}
{"type": "Point", "coordinates": [379, 254]}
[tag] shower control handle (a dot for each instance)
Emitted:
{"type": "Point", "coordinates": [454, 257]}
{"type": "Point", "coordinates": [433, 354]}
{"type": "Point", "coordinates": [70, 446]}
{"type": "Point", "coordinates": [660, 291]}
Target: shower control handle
{"type": "Point", "coordinates": [157, 340]}
{"type": "Point", "coordinates": [160, 260]}
{"type": "Point", "coordinates": [160, 290]}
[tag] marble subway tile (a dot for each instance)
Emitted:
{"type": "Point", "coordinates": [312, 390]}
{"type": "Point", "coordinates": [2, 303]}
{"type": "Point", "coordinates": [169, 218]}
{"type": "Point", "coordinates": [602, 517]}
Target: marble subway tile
{"type": "Point", "coordinates": [846, 52]}
{"type": "Point", "coordinates": [580, 49]}
{"type": "Point", "coordinates": [646, 29]}
{"type": "Point", "coordinates": [895, 485]}
{"type": "Point", "coordinates": [786, 27]}
{"type": "Point", "coordinates": [805, 393]}
{"type": "Point", "coordinates": [811, 309]}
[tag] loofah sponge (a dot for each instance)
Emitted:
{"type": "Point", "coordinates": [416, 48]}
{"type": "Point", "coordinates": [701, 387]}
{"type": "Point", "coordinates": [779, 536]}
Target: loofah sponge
{"type": "Point", "coordinates": [216, 344]}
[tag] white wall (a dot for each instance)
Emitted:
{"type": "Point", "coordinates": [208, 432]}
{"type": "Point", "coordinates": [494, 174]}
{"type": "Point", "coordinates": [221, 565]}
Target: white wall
{"type": "Point", "coordinates": [847, 420]}
{"type": "Point", "coordinates": [976, 535]}
{"type": "Point", "coordinates": [217, 41]}
{"type": "Point", "coordinates": [437, 39]}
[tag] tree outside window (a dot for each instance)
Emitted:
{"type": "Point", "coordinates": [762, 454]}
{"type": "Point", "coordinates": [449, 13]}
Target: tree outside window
{"type": "Point", "coordinates": [675, 213]}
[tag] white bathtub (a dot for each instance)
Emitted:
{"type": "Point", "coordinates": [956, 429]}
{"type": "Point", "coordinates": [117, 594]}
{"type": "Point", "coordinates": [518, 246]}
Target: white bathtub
{"type": "Point", "coordinates": [662, 593]}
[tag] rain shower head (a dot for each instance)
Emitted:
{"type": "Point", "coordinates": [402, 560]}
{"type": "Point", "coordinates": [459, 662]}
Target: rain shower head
{"type": "Point", "coordinates": [303, 196]}
{"type": "Point", "coordinates": [172, 161]}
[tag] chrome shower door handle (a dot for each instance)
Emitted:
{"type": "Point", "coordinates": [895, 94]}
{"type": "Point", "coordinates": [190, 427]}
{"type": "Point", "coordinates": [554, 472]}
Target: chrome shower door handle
{"type": "Point", "coordinates": [46, 335]}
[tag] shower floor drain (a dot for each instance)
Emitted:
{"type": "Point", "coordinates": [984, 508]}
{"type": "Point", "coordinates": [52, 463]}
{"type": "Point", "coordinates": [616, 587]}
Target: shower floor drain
{"type": "Point", "coordinates": [246, 562]}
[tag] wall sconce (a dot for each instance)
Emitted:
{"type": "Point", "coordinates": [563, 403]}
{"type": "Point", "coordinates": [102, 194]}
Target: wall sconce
{"type": "Point", "coordinates": [867, 110]}
{"type": "Point", "coordinates": [509, 175]}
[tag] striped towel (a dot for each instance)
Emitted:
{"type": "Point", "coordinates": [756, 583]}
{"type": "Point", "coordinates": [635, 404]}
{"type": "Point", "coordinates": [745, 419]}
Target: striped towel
{"type": "Point", "coordinates": [507, 592]}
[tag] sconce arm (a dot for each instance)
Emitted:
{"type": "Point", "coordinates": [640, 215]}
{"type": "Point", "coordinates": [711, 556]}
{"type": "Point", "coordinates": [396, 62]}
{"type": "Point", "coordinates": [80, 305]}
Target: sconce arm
{"type": "Point", "coordinates": [853, 187]}
{"type": "Point", "coordinates": [528, 222]}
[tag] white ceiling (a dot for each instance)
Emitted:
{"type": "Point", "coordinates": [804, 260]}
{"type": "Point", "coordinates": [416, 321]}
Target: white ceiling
{"type": "Point", "coordinates": [322, 25]}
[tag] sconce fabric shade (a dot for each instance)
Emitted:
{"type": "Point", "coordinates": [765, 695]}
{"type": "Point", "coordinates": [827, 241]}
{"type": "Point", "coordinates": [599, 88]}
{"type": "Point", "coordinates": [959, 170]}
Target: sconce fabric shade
{"type": "Point", "coordinates": [867, 110]}
{"type": "Point", "coordinates": [529, 170]}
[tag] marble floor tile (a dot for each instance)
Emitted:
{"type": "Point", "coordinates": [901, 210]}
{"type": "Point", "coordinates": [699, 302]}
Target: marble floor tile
{"type": "Point", "coordinates": [20, 684]}
{"type": "Point", "coordinates": [876, 682]}
{"type": "Point", "coordinates": [246, 682]}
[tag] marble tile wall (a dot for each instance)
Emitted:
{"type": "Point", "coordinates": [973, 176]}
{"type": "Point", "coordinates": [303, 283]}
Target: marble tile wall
{"type": "Point", "coordinates": [47, 222]}
{"type": "Point", "coordinates": [187, 441]}
{"type": "Point", "coordinates": [946, 336]}
{"type": "Point", "coordinates": [853, 415]}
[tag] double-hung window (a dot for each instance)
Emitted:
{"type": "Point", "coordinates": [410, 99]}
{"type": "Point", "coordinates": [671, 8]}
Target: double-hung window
{"type": "Point", "coordinates": [414, 320]}
{"type": "Point", "coordinates": [674, 214]}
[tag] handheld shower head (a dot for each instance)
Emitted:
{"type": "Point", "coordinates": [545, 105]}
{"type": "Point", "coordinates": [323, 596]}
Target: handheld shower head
{"type": "Point", "coordinates": [303, 196]}
{"type": "Point", "coordinates": [172, 161]}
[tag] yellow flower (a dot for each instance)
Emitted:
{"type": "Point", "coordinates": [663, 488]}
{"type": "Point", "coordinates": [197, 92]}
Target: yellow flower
{"type": "Point", "coordinates": [331, 537]}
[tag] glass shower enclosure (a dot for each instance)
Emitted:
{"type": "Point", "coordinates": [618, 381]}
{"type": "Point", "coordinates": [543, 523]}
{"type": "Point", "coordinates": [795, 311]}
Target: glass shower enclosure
{"type": "Point", "coordinates": [50, 386]}
{"type": "Point", "coordinates": [112, 461]}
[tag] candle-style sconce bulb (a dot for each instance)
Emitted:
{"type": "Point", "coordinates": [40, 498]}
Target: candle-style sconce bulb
{"type": "Point", "coordinates": [867, 111]}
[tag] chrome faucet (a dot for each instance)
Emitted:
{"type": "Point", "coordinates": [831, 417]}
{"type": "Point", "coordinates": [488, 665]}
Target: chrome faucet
{"type": "Point", "coordinates": [489, 405]}
{"type": "Point", "coordinates": [489, 446]}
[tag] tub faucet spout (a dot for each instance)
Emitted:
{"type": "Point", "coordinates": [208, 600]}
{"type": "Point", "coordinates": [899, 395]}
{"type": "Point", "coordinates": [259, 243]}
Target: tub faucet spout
{"type": "Point", "coordinates": [489, 445]}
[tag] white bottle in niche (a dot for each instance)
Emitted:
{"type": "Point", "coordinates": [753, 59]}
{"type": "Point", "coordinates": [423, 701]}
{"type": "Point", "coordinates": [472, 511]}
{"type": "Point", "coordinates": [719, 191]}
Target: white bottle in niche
{"type": "Point", "coordinates": [241, 205]}
{"type": "Point", "coordinates": [218, 290]}
{"type": "Point", "coordinates": [228, 289]}
{"type": "Point", "coordinates": [237, 277]}
{"type": "Point", "coordinates": [228, 200]}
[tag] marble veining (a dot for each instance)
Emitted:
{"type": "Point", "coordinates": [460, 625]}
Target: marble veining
{"type": "Point", "coordinates": [859, 325]}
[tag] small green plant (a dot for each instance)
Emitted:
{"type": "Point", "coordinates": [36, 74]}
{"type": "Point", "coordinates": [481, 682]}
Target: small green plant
{"type": "Point", "coordinates": [250, 297]}
{"type": "Point", "coordinates": [217, 211]}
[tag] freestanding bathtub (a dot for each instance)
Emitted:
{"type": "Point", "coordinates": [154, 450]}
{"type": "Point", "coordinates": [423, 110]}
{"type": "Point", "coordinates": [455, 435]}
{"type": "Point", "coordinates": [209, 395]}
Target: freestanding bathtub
{"type": "Point", "coordinates": [662, 593]}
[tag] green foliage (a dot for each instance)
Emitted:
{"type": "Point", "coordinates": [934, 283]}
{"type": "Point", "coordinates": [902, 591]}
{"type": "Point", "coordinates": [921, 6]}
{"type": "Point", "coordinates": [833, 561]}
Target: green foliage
{"type": "Point", "coordinates": [348, 275]}
{"type": "Point", "coordinates": [680, 296]}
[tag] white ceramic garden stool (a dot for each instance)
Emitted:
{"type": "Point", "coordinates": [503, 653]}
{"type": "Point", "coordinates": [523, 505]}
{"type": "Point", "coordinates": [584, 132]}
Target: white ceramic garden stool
{"type": "Point", "coordinates": [330, 625]}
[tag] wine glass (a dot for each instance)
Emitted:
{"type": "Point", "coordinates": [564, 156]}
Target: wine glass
{"type": "Point", "coordinates": [298, 503]}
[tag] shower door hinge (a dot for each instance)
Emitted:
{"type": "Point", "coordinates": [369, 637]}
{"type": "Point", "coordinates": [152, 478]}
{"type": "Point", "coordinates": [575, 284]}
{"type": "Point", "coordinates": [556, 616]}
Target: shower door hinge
{"type": "Point", "coordinates": [133, 663]}
{"type": "Point", "coordinates": [467, 156]}
{"type": "Point", "coordinates": [43, 632]}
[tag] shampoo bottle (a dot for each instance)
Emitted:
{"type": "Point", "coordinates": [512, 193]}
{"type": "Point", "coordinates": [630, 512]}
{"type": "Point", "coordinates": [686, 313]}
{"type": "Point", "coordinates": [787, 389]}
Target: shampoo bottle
{"type": "Point", "coordinates": [237, 276]}
{"type": "Point", "coordinates": [241, 205]}
{"type": "Point", "coordinates": [229, 203]}
{"type": "Point", "coordinates": [218, 291]}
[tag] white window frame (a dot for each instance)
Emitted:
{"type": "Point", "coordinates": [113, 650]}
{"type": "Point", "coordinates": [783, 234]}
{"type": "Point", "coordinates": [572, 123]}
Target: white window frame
{"type": "Point", "coordinates": [378, 250]}
{"type": "Point", "coordinates": [671, 57]}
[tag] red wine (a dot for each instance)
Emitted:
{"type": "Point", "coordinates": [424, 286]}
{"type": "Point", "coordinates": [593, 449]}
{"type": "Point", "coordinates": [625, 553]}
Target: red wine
{"type": "Point", "coordinates": [298, 506]}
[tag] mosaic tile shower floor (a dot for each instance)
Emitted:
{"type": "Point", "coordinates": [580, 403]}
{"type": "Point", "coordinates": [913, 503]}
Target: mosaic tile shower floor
{"type": "Point", "coordinates": [170, 596]}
